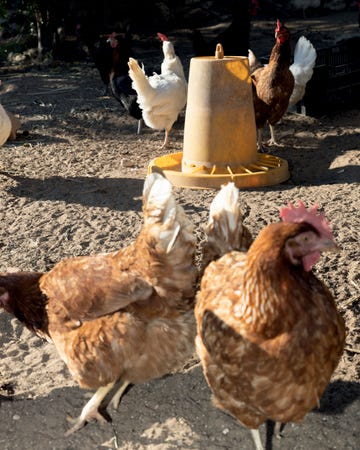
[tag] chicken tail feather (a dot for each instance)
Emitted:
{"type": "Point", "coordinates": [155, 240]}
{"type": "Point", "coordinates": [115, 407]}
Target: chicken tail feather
{"type": "Point", "coordinates": [305, 54]}
{"type": "Point", "coordinates": [140, 81]}
{"type": "Point", "coordinates": [225, 230]}
{"type": "Point", "coordinates": [302, 68]}
{"type": "Point", "coordinates": [163, 215]}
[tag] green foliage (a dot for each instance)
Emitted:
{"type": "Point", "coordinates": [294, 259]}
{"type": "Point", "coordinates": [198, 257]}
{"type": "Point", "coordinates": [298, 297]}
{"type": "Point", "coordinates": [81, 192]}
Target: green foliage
{"type": "Point", "coordinates": [3, 9]}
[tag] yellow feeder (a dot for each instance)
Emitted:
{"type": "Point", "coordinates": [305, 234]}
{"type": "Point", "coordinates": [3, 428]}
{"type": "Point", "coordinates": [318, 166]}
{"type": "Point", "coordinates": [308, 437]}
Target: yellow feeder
{"type": "Point", "coordinates": [220, 131]}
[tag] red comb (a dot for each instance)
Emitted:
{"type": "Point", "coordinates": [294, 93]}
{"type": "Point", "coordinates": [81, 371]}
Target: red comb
{"type": "Point", "coordinates": [278, 26]}
{"type": "Point", "coordinates": [162, 37]}
{"type": "Point", "coordinates": [298, 214]}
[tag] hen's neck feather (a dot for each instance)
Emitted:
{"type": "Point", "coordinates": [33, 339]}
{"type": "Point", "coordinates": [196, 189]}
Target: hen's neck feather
{"type": "Point", "coordinates": [273, 287]}
{"type": "Point", "coordinates": [26, 301]}
{"type": "Point", "coordinates": [281, 54]}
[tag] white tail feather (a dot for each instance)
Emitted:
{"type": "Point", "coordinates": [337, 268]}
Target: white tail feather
{"type": "Point", "coordinates": [140, 81]}
{"type": "Point", "coordinates": [302, 68]}
{"type": "Point", "coordinates": [305, 53]}
{"type": "Point", "coordinates": [226, 204]}
{"type": "Point", "coordinates": [161, 212]}
{"type": "Point", "coordinates": [225, 230]}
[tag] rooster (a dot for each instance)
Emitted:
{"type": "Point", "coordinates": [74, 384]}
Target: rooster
{"type": "Point", "coordinates": [273, 84]}
{"type": "Point", "coordinates": [125, 316]}
{"type": "Point", "coordinates": [119, 80]}
{"type": "Point", "coordinates": [302, 69]}
{"type": "Point", "coordinates": [161, 97]}
{"type": "Point", "coordinates": [269, 335]}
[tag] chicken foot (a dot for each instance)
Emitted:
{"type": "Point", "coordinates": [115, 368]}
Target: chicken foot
{"type": "Point", "coordinates": [260, 146]}
{"type": "Point", "coordinates": [118, 394]}
{"type": "Point", "coordinates": [91, 410]}
{"type": "Point", "coordinates": [272, 140]}
{"type": "Point", "coordinates": [166, 140]}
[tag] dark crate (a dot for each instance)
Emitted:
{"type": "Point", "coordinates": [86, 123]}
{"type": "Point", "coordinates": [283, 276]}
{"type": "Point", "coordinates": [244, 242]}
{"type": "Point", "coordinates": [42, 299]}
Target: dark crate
{"type": "Point", "coordinates": [335, 83]}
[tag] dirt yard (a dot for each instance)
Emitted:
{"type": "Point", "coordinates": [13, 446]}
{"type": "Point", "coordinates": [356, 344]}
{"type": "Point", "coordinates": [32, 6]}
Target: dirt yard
{"type": "Point", "coordinates": [72, 186]}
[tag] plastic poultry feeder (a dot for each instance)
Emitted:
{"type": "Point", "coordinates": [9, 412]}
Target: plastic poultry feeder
{"type": "Point", "coordinates": [220, 131]}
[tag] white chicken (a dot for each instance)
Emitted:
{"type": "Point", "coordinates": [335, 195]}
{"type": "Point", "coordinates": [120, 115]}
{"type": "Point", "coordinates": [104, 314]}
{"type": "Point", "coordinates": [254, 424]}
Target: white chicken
{"type": "Point", "coordinates": [161, 96]}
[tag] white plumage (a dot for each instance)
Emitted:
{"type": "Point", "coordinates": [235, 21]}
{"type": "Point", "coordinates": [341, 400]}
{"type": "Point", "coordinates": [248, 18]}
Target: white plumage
{"type": "Point", "coordinates": [302, 68]}
{"type": "Point", "coordinates": [161, 96]}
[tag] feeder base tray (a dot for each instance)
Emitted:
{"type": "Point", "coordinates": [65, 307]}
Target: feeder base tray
{"type": "Point", "coordinates": [266, 171]}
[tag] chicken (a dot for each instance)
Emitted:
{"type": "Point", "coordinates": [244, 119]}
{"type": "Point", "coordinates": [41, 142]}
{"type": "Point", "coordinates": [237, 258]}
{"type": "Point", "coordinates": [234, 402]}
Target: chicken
{"type": "Point", "coordinates": [161, 97]}
{"type": "Point", "coordinates": [273, 84]}
{"type": "Point", "coordinates": [120, 82]}
{"type": "Point", "coordinates": [302, 69]}
{"type": "Point", "coordinates": [269, 335]}
{"type": "Point", "coordinates": [126, 316]}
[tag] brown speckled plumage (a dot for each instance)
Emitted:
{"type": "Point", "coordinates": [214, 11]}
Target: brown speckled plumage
{"type": "Point", "coordinates": [126, 315]}
{"type": "Point", "coordinates": [269, 335]}
{"type": "Point", "coordinates": [273, 84]}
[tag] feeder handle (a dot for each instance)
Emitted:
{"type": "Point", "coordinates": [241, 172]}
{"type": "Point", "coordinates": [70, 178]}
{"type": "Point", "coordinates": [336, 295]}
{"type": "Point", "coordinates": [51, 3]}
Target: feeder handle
{"type": "Point", "coordinates": [219, 52]}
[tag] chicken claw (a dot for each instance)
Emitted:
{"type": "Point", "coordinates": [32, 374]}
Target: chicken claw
{"type": "Point", "coordinates": [118, 394]}
{"type": "Point", "coordinates": [80, 422]}
{"type": "Point", "coordinates": [91, 410]}
{"type": "Point", "coordinates": [272, 140]}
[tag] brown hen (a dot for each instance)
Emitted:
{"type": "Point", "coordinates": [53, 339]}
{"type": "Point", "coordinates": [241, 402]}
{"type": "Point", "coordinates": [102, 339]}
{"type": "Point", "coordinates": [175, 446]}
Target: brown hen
{"type": "Point", "coordinates": [269, 334]}
{"type": "Point", "coordinates": [273, 84]}
{"type": "Point", "coordinates": [125, 316]}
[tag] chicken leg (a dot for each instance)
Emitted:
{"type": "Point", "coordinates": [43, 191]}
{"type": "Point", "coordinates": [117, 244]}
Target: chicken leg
{"type": "Point", "coordinates": [272, 140]}
{"type": "Point", "coordinates": [140, 126]}
{"type": "Point", "coordinates": [118, 394]}
{"type": "Point", "coordinates": [90, 410]}
{"type": "Point", "coordinates": [166, 140]}
{"type": "Point", "coordinates": [256, 438]}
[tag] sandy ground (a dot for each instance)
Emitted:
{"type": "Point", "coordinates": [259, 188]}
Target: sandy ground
{"type": "Point", "coordinates": [73, 187]}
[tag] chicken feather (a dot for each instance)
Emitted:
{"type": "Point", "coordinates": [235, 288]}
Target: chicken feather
{"type": "Point", "coordinates": [273, 84]}
{"type": "Point", "coordinates": [302, 69]}
{"type": "Point", "coordinates": [161, 96]}
{"type": "Point", "coordinates": [123, 316]}
{"type": "Point", "coordinates": [269, 335]}
{"type": "Point", "coordinates": [225, 230]}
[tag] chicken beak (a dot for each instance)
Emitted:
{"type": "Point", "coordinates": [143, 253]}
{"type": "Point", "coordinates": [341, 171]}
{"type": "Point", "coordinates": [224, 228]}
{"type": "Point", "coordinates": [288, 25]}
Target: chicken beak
{"type": "Point", "coordinates": [328, 245]}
